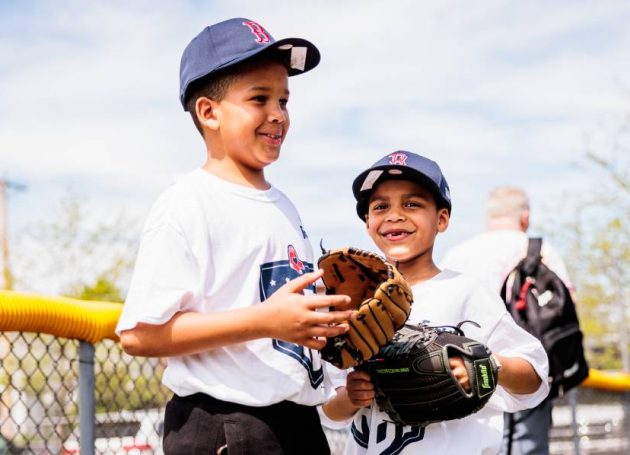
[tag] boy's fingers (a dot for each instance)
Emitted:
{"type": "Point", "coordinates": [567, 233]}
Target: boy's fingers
{"type": "Point", "coordinates": [333, 317]}
{"type": "Point", "coordinates": [342, 302]}
{"type": "Point", "coordinates": [302, 282]}
{"type": "Point", "coordinates": [329, 331]}
{"type": "Point", "coordinates": [318, 335]}
{"type": "Point", "coordinates": [339, 302]}
{"type": "Point", "coordinates": [315, 343]}
{"type": "Point", "coordinates": [364, 387]}
{"type": "Point", "coordinates": [360, 375]}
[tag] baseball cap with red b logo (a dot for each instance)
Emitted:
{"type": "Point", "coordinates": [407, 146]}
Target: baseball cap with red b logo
{"type": "Point", "coordinates": [401, 165]}
{"type": "Point", "coordinates": [227, 43]}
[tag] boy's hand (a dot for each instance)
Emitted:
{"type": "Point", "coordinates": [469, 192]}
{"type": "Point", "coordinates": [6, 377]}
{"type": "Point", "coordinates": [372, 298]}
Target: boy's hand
{"type": "Point", "coordinates": [459, 371]}
{"type": "Point", "coordinates": [294, 317]}
{"type": "Point", "coordinates": [360, 389]}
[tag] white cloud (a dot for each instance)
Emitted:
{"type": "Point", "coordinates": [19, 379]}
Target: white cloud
{"type": "Point", "coordinates": [499, 92]}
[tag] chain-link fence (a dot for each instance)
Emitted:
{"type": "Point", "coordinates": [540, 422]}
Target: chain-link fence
{"type": "Point", "coordinates": [57, 392]}
{"type": "Point", "coordinates": [39, 398]}
{"type": "Point", "coordinates": [39, 391]}
{"type": "Point", "coordinates": [38, 376]}
{"type": "Point", "coordinates": [39, 409]}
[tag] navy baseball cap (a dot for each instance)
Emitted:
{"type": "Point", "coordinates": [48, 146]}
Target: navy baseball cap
{"type": "Point", "coordinates": [401, 165]}
{"type": "Point", "coordinates": [227, 43]}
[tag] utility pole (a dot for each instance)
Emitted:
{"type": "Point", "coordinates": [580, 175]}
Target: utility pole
{"type": "Point", "coordinates": [5, 185]}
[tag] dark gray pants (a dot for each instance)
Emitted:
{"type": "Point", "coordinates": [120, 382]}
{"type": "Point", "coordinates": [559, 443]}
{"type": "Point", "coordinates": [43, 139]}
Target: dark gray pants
{"type": "Point", "coordinates": [528, 431]}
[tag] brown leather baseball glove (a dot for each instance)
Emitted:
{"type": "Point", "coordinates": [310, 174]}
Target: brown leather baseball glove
{"type": "Point", "coordinates": [379, 292]}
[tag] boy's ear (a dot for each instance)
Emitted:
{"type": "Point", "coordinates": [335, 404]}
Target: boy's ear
{"type": "Point", "coordinates": [443, 219]}
{"type": "Point", "coordinates": [205, 108]}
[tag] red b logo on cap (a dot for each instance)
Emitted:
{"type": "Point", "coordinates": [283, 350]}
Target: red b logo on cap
{"type": "Point", "coordinates": [398, 158]}
{"type": "Point", "coordinates": [259, 32]}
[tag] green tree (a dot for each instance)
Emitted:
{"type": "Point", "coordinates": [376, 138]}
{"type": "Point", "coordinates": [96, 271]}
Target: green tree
{"type": "Point", "coordinates": [77, 251]}
{"type": "Point", "coordinates": [596, 237]}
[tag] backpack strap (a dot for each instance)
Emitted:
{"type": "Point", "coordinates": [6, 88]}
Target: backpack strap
{"type": "Point", "coordinates": [530, 263]}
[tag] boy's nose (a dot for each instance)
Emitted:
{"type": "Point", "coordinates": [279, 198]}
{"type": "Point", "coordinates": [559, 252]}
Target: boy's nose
{"type": "Point", "coordinates": [277, 115]}
{"type": "Point", "coordinates": [395, 215]}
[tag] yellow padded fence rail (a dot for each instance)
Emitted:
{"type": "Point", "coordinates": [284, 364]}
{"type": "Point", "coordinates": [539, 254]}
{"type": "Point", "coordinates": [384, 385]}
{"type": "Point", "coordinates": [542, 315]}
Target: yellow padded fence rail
{"type": "Point", "coordinates": [94, 321]}
{"type": "Point", "coordinates": [613, 381]}
{"type": "Point", "coordinates": [59, 316]}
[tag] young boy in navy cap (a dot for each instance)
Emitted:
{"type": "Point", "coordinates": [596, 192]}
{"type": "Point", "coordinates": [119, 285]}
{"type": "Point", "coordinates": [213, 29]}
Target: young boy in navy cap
{"type": "Point", "coordinates": [224, 282]}
{"type": "Point", "coordinates": [405, 202]}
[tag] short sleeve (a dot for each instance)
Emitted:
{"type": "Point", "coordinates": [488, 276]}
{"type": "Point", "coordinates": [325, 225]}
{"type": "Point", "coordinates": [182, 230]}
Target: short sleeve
{"type": "Point", "coordinates": [164, 277]}
{"type": "Point", "coordinates": [510, 340]}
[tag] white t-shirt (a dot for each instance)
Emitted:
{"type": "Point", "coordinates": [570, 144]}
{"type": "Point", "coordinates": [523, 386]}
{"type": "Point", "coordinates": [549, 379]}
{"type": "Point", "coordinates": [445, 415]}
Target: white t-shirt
{"type": "Point", "coordinates": [491, 256]}
{"type": "Point", "coordinates": [447, 299]}
{"type": "Point", "coordinates": [210, 245]}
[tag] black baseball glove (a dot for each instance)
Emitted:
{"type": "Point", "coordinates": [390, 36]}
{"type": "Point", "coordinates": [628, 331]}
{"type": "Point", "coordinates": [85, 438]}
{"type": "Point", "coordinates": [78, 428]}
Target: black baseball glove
{"type": "Point", "coordinates": [413, 380]}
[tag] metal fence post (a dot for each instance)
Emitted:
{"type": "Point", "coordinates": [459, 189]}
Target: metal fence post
{"type": "Point", "coordinates": [87, 405]}
{"type": "Point", "coordinates": [574, 425]}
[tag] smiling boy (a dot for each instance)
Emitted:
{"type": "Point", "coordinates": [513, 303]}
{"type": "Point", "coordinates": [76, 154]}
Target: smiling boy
{"type": "Point", "coordinates": [405, 203]}
{"type": "Point", "coordinates": [224, 282]}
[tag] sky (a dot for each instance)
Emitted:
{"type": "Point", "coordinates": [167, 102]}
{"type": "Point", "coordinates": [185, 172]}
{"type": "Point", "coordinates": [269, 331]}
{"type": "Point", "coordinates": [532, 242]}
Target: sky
{"type": "Point", "coordinates": [497, 92]}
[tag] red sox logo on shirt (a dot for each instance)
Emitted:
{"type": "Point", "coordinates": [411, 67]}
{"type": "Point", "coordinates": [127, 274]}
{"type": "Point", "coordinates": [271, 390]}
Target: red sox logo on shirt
{"type": "Point", "coordinates": [259, 32]}
{"type": "Point", "coordinates": [274, 275]}
{"type": "Point", "coordinates": [398, 158]}
{"type": "Point", "coordinates": [294, 261]}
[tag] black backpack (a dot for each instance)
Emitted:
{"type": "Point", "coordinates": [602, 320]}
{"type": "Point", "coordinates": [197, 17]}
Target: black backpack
{"type": "Point", "coordinates": [540, 303]}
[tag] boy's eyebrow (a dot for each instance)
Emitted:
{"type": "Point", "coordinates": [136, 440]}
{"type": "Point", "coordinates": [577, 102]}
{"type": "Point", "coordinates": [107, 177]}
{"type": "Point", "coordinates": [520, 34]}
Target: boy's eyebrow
{"type": "Point", "coordinates": [420, 195]}
{"type": "Point", "coordinates": [263, 88]}
{"type": "Point", "coordinates": [376, 196]}
{"type": "Point", "coordinates": [407, 195]}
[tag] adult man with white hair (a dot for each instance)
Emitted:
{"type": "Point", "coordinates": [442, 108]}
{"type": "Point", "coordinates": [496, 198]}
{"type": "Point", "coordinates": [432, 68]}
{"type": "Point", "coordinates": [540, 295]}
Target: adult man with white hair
{"type": "Point", "coordinates": [490, 256]}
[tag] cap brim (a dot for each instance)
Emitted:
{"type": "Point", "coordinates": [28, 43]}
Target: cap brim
{"type": "Point", "coordinates": [301, 56]}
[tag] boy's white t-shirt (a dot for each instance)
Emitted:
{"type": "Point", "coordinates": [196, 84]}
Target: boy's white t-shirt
{"type": "Point", "coordinates": [210, 245]}
{"type": "Point", "coordinates": [447, 299]}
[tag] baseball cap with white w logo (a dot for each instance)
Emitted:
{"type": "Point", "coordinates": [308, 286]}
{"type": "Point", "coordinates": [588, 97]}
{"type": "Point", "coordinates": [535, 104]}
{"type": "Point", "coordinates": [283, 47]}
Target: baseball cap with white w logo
{"type": "Point", "coordinates": [227, 43]}
{"type": "Point", "coordinates": [401, 165]}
